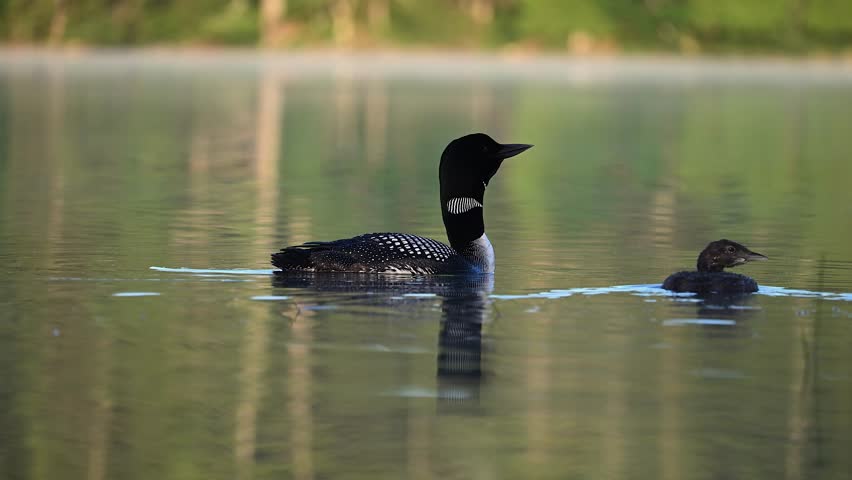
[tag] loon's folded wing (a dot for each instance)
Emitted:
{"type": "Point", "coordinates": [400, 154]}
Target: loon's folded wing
{"type": "Point", "coordinates": [371, 253]}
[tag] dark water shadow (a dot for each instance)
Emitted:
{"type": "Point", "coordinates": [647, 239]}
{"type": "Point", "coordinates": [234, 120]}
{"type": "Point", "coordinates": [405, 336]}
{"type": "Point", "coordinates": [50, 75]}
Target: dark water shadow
{"type": "Point", "coordinates": [723, 316]}
{"type": "Point", "coordinates": [464, 309]}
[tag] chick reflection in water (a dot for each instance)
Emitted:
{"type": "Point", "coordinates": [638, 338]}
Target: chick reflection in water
{"type": "Point", "coordinates": [465, 307]}
{"type": "Point", "coordinates": [719, 316]}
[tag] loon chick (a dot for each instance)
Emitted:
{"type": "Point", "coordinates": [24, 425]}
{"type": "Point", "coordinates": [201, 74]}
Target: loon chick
{"type": "Point", "coordinates": [710, 278]}
{"type": "Point", "coordinates": [467, 164]}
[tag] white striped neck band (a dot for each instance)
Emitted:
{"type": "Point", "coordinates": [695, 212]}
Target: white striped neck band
{"type": "Point", "coordinates": [462, 204]}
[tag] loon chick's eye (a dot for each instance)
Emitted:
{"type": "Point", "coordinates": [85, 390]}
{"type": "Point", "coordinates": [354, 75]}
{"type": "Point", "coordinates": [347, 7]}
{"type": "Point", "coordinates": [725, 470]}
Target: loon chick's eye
{"type": "Point", "coordinates": [730, 249]}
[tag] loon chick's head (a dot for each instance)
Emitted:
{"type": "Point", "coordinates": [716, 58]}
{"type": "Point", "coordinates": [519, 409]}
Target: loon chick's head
{"type": "Point", "coordinates": [723, 254]}
{"type": "Point", "coordinates": [467, 165]}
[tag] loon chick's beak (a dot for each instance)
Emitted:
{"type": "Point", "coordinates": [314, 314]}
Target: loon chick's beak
{"type": "Point", "coordinates": [510, 150]}
{"type": "Point", "coordinates": [750, 257]}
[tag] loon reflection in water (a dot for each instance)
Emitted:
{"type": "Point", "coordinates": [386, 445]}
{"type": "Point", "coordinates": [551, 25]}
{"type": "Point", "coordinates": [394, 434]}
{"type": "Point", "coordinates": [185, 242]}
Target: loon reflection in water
{"type": "Point", "coordinates": [465, 307]}
{"type": "Point", "coordinates": [710, 277]}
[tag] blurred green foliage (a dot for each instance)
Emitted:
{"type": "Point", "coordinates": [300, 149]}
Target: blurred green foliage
{"type": "Point", "coordinates": [577, 25]}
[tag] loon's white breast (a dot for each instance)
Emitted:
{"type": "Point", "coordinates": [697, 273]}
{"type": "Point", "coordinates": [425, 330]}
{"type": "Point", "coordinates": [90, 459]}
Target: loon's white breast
{"type": "Point", "coordinates": [481, 253]}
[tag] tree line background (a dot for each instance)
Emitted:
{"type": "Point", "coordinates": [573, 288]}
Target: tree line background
{"type": "Point", "coordinates": [580, 26]}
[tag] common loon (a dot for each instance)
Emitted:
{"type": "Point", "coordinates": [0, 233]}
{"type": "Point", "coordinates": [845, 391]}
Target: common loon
{"type": "Point", "coordinates": [467, 164]}
{"type": "Point", "coordinates": [710, 278]}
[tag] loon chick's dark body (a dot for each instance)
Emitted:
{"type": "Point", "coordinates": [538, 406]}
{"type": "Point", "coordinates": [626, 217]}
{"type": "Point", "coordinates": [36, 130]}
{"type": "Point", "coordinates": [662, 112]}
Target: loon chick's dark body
{"type": "Point", "coordinates": [710, 277]}
{"type": "Point", "coordinates": [467, 164]}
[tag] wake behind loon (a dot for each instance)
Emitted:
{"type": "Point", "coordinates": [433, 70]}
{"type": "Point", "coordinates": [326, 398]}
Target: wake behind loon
{"type": "Point", "coordinates": [710, 277]}
{"type": "Point", "coordinates": [467, 165]}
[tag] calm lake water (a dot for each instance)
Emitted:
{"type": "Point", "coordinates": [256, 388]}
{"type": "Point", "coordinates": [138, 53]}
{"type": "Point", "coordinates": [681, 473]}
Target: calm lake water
{"type": "Point", "coordinates": [568, 363]}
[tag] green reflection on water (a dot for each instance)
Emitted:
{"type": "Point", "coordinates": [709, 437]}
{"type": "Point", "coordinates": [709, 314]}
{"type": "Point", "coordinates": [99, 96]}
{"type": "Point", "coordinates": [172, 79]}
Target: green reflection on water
{"type": "Point", "coordinates": [104, 173]}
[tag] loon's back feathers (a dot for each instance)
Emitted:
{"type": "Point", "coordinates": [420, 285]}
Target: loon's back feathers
{"type": "Point", "coordinates": [373, 253]}
{"type": "Point", "coordinates": [710, 277]}
{"type": "Point", "coordinates": [466, 167]}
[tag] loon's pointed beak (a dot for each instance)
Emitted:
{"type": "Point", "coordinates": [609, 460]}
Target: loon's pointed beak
{"type": "Point", "coordinates": [510, 150]}
{"type": "Point", "coordinates": [752, 256]}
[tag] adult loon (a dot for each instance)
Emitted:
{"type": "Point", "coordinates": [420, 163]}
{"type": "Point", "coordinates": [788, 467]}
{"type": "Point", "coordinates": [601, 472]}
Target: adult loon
{"type": "Point", "coordinates": [710, 279]}
{"type": "Point", "coordinates": [467, 164]}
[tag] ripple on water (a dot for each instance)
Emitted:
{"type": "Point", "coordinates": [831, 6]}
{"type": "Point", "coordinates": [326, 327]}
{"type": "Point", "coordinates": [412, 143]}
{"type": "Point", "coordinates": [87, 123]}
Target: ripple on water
{"type": "Point", "coordinates": [419, 392]}
{"type": "Point", "coordinates": [677, 322]}
{"type": "Point", "coordinates": [645, 290]}
{"type": "Point", "coordinates": [791, 292]}
{"type": "Point", "coordinates": [226, 271]}
{"type": "Point", "coordinates": [655, 290]}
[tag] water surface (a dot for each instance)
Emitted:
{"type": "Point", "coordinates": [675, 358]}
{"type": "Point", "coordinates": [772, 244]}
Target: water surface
{"type": "Point", "coordinates": [568, 363]}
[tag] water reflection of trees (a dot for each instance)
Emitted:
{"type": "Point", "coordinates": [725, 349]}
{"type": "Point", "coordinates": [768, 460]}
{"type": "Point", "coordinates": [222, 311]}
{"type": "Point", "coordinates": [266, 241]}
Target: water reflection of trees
{"type": "Point", "coordinates": [107, 174]}
{"type": "Point", "coordinates": [464, 309]}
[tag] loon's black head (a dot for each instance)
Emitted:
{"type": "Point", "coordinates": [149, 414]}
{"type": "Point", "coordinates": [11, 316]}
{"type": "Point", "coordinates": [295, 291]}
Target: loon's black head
{"type": "Point", "coordinates": [467, 165]}
{"type": "Point", "coordinates": [723, 254]}
{"type": "Point", "coordinates": [469, 162]}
